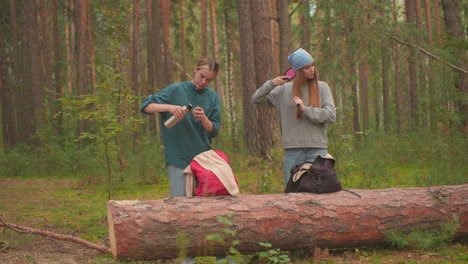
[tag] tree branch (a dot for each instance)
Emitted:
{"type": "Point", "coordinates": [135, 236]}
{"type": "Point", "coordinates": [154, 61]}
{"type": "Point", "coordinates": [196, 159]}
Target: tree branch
{"type": "Point", "coordinates": [422, 50]}
{"type": "Point", "coordinates": [29, 230]}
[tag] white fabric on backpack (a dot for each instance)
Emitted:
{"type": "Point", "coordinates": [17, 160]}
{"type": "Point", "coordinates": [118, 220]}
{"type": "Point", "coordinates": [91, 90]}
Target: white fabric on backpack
{"type": "Point", "coordinates": [210, 160]}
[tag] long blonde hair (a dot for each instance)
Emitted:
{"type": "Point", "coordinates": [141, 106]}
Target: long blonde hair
{"type": "Point", "coordinates": [314, 95]}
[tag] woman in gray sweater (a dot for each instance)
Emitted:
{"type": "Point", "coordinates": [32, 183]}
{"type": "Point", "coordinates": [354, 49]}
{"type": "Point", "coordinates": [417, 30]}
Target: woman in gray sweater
{"type": "Point", "coordinates": [305, 106]}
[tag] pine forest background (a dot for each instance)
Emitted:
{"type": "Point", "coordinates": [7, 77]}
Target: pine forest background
{"type": "Point", "coordinates": [73, 74]}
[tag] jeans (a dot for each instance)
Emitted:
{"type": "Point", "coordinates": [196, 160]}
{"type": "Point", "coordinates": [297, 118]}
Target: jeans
{"type": "Point", "coordinates": [176, 180]}
{"type": "Point", "coordinates": [295, 156]}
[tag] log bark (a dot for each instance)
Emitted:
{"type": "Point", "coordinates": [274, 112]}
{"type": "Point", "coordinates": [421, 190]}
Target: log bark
{"type": "Point", "coordinates": [153, 229]}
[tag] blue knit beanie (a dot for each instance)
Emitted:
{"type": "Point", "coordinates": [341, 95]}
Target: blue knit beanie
{"type": "Point", "coordinates": [299, 59]}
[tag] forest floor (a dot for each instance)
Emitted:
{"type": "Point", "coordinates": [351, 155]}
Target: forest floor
{"type": "Point", "coordinates": [31, 202]}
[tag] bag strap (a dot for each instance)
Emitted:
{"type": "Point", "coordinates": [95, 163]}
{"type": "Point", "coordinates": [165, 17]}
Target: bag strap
{"type": "Point", "coordinates": [352, 193]}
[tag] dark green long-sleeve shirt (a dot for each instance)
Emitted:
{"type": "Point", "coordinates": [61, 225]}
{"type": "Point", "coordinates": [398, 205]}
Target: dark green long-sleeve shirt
{"type": "Point", "coordinates": [188, 137]}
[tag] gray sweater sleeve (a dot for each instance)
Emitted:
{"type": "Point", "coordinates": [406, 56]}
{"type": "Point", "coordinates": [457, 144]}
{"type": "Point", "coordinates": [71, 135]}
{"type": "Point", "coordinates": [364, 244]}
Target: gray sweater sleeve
{"type": "Point", "coordinates": [261, 95]}
{"type": "Point", "coordinates": [327, 112]}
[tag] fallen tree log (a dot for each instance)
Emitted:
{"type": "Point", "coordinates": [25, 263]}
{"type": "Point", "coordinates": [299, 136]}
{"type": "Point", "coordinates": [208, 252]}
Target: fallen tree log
{"type": "Point", "coordinates": [154, 229]}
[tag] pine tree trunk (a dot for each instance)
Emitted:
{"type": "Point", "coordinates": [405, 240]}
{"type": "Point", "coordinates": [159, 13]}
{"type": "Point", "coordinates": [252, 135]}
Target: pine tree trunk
{"type": "Point", "coordinates": [284, 34]}
{"type": "Point", "coordinates": [9, 131]}
{"type": "Point", "coordinates": [397, 75]}
{"type": "Point", "coordinates": [304, 21]}
{"type": "Point", "coordinates": [46, 51]}
{"type": "Point", "coordinates": [166, 29]}
{"type": "Point", "coordinates": [214, 38]}
{"type": "Point", "coordinates": [364, 92]}
{"type": "Point", "coordinates": [230, 97]}
{"type": "Point", "coordinates": [437, 21]}
{"type": "Point", "coordinates": [135, 53]}
{"type": "Point", "coordinates": [183, 73]}
{"type": "Point", "coordinates": [161, 78]}
{"type": "Point", "coordinates": [154, 229]}
{"type": "Point", "coordinates": [263, 51]}
{"type": "Point", "coordinates": [248, 73]}
{"type": "Point", "coordinates": [82, 9]}
{"type": "Point", "coordinates": [23, 94]}
{"type": "Point", "coordinates": [34, 64]}
{"type": "Point", "coordinates": [57, 112]}
{"type": "Point", "coordinates": [411, 11]}
{"type": "Point", "coordinates": [150, 60]}
{"type": "Point", "coordinates": [454, 26]}
{"type": "Point", "coordinates": [203, 24]}
{"type": "Point", "coordinates": [427, 6]}
{"type": "Point", "coordinates": [6, 100]}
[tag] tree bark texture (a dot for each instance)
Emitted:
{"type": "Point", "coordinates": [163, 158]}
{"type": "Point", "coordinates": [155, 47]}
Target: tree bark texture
{"type": "Point", "coordinates": [284, 34]}
{"type": "Point", "coordinates": [263, 59]}
{"type": "Point", "coordinates": [412, 68]}
{"type": "Point", "coordinates": [248, 73]}
{"type": "Point", "coordinates": [153, 229]}
{"type": "Point", "coordinates": [166, 40]}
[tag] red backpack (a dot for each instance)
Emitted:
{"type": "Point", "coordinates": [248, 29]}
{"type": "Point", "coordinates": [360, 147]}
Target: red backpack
{"type": "Point", "coordinates": [208, 183]}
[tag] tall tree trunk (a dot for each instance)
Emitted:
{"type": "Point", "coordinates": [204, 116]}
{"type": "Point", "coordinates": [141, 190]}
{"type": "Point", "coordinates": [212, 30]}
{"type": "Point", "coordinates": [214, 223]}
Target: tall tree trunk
{"type": "Point", "coordinates": [230, 95]}
{"type": "Point", "coordinates": [385, 62]}
{"type": "Point", "coordinates": [14, 44]}
{"type": "Point", "coordinates": [46, 52]}
{"type": "Point", "coordinates": [274, 33]}
{"type": "Point", "coordinates": [150, 46]}
{"type": "Point", "coordinates": [214, 39]}
{"type": "Point", "coordinates": [135, 52]}
{"type": "Point", "coordinates": [91, 57]}
{"type": "Point", "coordinates": [83, 7]}
{"type": "Point", "coordinates": [6, 100]}
{"type": "Point", "coordinates": [304, 22]}
{"type": "Point", "coordinates": [203, 24]}
{"type": "Point", "coordinates": [182, 41]}
{"type": "Point", "coordinates": [248, 74]}
{"type": "Point", "coordinates": [364, 91]}
{"type": "Point", "coordinates": [150, 60]}
{"type": "Point", "coordinates": [70, 47]}
{"type": "Point", "coordinates": [397, 75]}
{"type": "Point", "coordinates": [412, 68]}
{"type": "Point", "coordinates": [437, 21]}
{"type": "Point", "coordinates": [419, 20]}
{"type": "Point", "coordinates": [351, 58]}
{"type": "Point", "coordinates": [454, 26]}
{"type": "Point", "coordinates": [23, 93]}
{"type": "Point", "coordinates": [322, 40]}
{"type": "Point", "coordinates": [161, 78]}
{"type": "Point", "coordinates": [385, 86]}
{"type": "Point", "coordinates": [166, 29]}
{"type": "Point", "coordinates": [427, 6]}
{"type": "Point", "coordinates": [266, 123]}
{"type": "Point", "coordinates": [57, 112]}
{"type": "Point", "coordinates": [34, 63]}
{"type": "Point", "coordinates": [284, 34]}
{"type": "Point", "coordinates": [8, 81]}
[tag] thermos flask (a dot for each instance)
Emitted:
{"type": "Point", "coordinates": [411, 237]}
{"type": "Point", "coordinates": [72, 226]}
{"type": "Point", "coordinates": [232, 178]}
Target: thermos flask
{"type": "Point", "coordinates": [171, 121]}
